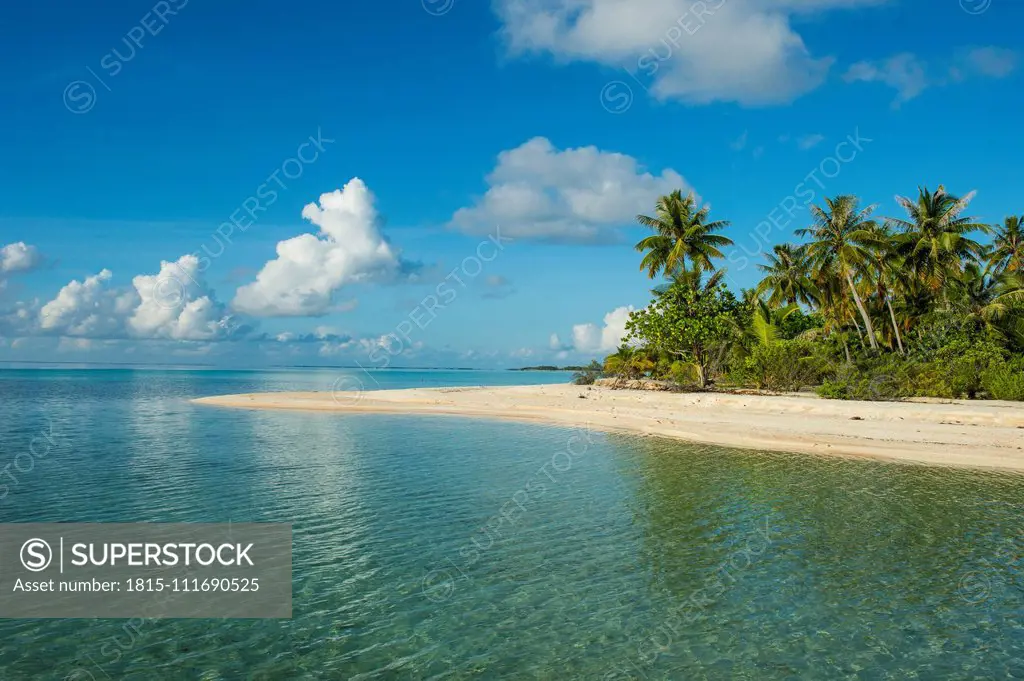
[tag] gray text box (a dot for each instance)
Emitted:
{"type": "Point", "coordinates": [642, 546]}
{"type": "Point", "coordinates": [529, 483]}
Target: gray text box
{"type": "Point", "coordinates": [150, 570]}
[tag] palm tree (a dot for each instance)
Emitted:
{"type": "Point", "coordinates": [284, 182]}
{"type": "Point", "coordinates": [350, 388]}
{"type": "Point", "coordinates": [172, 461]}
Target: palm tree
{"type": "Point", "coordinates": [681, 232]}
{"type": "Point", "coordinates": [694, 280]}
{"type": "Point", "coordinates": [628, 363]}
{"type": "Point", "coordinates": [766, 322]}
{"type": "Point", "coordinates": [788, 277]}
{"type": "Point", "coordinates": [991, 298]}
{"type": "Point", "coordinates": [934, 239]}
{"type": "Point", "coordinates": [888, 276]}
{"type": "Point", "coordinates": [842, 236]}
{"type": "Point", "coordinates": [1008, 246]}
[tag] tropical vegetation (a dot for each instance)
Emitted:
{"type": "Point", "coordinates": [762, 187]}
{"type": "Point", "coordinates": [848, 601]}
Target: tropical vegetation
{"type": "Point", "coordinates": [925, 303]}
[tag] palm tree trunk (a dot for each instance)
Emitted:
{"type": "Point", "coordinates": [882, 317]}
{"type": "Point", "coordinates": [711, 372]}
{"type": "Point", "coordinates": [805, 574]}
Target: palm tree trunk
{"type": "Point", "coordinates": [895, 326]}
{"type": "Point", "coordinates": [849, 360]}
{"type": "Point", "coordinates": [863, 312]}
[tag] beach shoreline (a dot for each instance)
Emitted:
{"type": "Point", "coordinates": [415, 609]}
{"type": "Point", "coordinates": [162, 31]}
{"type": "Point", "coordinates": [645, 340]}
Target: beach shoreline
{"type": "Point", "coordinates": [974, 434]}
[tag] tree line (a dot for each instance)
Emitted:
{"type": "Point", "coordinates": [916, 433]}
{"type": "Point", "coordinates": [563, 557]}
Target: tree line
{"type": "Point", "coordinates": [928, 303]}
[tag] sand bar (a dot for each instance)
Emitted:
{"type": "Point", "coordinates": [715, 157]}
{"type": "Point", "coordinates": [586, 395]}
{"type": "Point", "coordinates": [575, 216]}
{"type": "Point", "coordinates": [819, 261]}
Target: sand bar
{"type": "Point", "coordinates": [956, 433]}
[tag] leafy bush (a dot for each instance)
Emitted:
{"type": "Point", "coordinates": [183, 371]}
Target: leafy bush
{"type": "Point", "coordinates": [878, 379]}
{"type": "Point", "coordinates": [889, 377]}
{"type": "Point", "coordinates": [933, 380]}
{"type": "Point", "coordinates": [683, 373]}
{"type": "Point", "coordinates": [834, 389]}
{"type": "Point", "coordinates": [584, 378]}
{"type": "Point", "coordinates": [1005, 381]}
{"type": "Point", "coordinates": [628, 363]}
{"type": "Point", "coordinates": [950, 357]}
{"type": "Point", "coordinates": [957, 352]}
{"type": "Point", "coordinates": [780, 366]}
{"type": "Point", "coordinates": [588, 375]}
{"type": "Point", "coordinates": [964, 362]}
{"type": "Point", "coordinates": [795, 324]}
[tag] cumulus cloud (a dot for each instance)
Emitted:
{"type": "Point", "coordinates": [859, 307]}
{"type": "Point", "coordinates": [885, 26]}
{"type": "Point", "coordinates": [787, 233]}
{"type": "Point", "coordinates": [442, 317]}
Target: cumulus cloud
{"type": "Point", "coordinates": [18, 257]}
{"type": "Point", "coordinates": [539, 192]}
{"type": "Point", "coordinates": [173, 304]}
{"type": "Point", "coordinates": [593, 338]}
{"type": "Point", "coordinates": [993, 62]}
{"type": "Point", "coordinates": [744, 51]}
{"type": "Point", "coordinates": [87, 308]}
{"type": "Point", "coordinates": [310, 268]}
{"type": "Point", "coordinates": [321, 334]}
{"type": "Point", "coordinates": [555, 343]}
{"type": "Point", "coordinates": [904, 72]}
{"type": "Point", "coordinates": [910, 75]}
{"type": "Point", "coordinates": [176, 304]}
{"type": "Point", "coordinates": [19, 319]}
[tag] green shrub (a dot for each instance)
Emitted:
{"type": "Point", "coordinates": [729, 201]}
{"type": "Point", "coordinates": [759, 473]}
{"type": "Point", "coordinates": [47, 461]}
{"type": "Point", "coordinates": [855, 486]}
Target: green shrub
{"type": "Point", "coordinates": [683, 373]}
{"type": "Point", "coordinates": [956, 352]}
{"type": "Point", "coordinates": [964, 367]}
{"type": "Point", "coordinates": [875, 379]}
{"type": "Point", "coordinates": [1005, 381]}
{"type": "Point", "coordinates": [932, 380]}
{"type": "Point", "coordinates": [781, 366]}
{"type": "Point", "coordinates": [588, 375]}
{"type": "Point", "coordinates": [834, 389]}
{"type": "Point", "coordinates": [797, 323]}
{"type": "Point", "coordinates": [584, 378]}
{"type": "Point", "coordinates": [950, 357]}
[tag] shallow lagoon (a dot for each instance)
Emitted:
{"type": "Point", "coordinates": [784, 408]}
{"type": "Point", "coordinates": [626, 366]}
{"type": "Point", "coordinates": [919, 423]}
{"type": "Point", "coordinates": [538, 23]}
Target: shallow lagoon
{"type": "Point", "coordinates": [452, 548]}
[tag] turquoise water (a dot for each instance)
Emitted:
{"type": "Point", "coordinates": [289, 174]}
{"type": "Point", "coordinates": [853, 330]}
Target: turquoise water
{"type": "Point", "coordinates": [448, 548]}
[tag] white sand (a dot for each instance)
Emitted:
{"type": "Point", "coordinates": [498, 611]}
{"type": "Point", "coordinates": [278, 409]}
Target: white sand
{"type": "Point", "coordinates": [959, 433]}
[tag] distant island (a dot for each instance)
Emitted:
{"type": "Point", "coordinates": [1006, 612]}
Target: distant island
{"type": "Point", "coordinates": [547, 367]}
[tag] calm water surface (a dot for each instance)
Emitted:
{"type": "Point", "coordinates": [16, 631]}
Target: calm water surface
{"type": "Point", "coordinates": [447, 548]}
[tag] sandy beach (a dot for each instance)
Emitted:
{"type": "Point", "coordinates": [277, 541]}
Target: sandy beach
{"type": "Point", "coordinates": [953, 433]}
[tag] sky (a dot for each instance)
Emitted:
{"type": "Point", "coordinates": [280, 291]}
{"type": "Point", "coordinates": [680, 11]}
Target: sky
{"type": "Point", "coordinates": [450, 183]}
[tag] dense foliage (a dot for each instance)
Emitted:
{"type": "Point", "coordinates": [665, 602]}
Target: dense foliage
{"type": "Point", "coordinates": [926, 304]}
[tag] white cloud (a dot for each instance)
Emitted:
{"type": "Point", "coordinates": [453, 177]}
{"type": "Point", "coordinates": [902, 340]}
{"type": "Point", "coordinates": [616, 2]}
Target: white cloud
{"type": "Point", "coordinates": [595, 338]}
{"type": "Point", "coordinates": [903, 72]}
{"type": "Point", "coordinates": [19, 320]}
{"type": "Point", "coordinates": [993, 62]}
{"type": "Point", "coordinates": [311, 268]}
{"type": "Point", "coordinates": [87, 308]}
{"type": "Point", "coordinates": [910, 75]}
{"type": "Point", "coordinates": [584, 194]}
{"type": "Point", "coordinates": [743, 51]}
{"type": "Point", "coordinates": [18, 257]}
{"type": "Point", "coordinates": [174, 304]}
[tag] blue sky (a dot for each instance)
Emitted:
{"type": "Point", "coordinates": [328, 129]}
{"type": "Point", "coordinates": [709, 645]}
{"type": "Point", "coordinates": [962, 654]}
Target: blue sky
{"type": "Point", "coordinates": [132, 132]}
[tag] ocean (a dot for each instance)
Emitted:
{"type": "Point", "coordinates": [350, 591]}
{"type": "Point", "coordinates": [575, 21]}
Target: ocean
{"type": "Point", "coordinates": [454, 548]}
